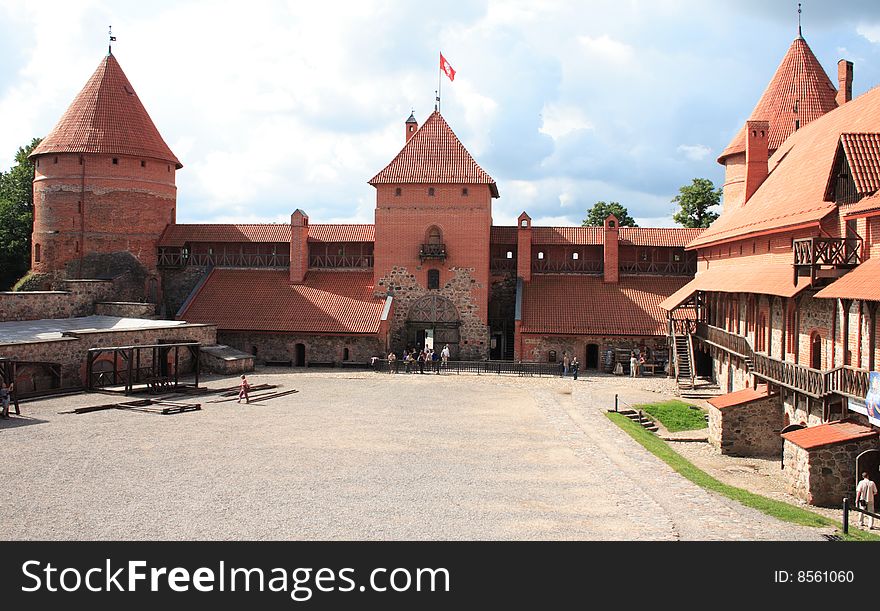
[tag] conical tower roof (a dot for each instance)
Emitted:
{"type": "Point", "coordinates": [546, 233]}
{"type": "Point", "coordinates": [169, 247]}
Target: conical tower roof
{"type": "Point", "coordinates": [799, 91]}
{"type": "Point", "coordinates": [435, 155]}
{"type": "Point", "coordinates": [107, 117]}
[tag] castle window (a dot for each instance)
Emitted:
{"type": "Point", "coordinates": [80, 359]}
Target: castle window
{"type": "Point", "coordinates": [464, 192]}
{"type": "Point", "coordinates": [676, 256]}
{"type": "Point", "coordinates": [435, 236]}
{"type": "Point", "coordinates": [115, 161]}
{"type": "Point", "coordinates": [510, 254]}
{"type": "Point", "coordinates": [55, 160]}
{"type": "Point", "coordinates": [433, 278]}
{"type": "Point", "coordinates": [38, 162]}
{"type": "Point", "coordinates": [143, 163]}
{"type": "Point", "coordinates": [541, 255]}
{"type": "Point", "coordinates": [169, 168]}
{"type": "Point", "coordinates": [397, 192]}
{"type": "Point", "coordinates": [76, 246]}
{"type": "Point", "coordinates": [79, 207]}
{"type": "Point", "coordinates": [574, 256]}
{"type": "Point", "coordinates": [36, 253]}
{"type": "Point", "coordinates": [80, 160]}
{"type": "Point", "coordinates": [345, 354]}
{"type": "Point", "coordinates": [525, 223]}
{"type": "Point", "coordinates": [430, 191]}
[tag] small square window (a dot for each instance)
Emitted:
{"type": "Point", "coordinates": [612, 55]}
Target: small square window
{"type": "Point", "coordinates": [574, 256]}
{"type": "Point", "coordinates": [464, 192]}
{"type": "Point", "coordinates": [397, 192]}
{"type": "Point", "coordinates": [115, 161]}
{"type": "Point", "coordinates": [540, 255]}
{"type": "Point", "coordinates": [430, 191]}
{"type": "Point", "coordinates": [510, 254]}
{"type": "Point", "coordinates": [143, 163]}
{"type": "Point", "coordinates": [524, 224]}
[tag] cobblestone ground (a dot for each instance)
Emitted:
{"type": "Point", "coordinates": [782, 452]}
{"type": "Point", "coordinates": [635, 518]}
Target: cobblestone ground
{"type": "Point", "coordinates": [362, 456]}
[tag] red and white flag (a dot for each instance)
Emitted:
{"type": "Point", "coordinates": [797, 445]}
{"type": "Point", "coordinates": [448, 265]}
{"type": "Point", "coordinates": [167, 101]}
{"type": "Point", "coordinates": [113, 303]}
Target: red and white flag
{"type": "Point", "coordinates": [446, 68]}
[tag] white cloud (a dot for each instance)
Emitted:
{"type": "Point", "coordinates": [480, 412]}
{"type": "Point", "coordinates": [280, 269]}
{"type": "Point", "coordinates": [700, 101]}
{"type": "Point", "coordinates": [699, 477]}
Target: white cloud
{"type": "Point", "coordinates": [606, 48]}
{"type": "Point", "coordinates": [559, 121]}
{"type": "Point", "coordinates": [695, 152]}
{"type": "Point", "coordinates": [869, 31]}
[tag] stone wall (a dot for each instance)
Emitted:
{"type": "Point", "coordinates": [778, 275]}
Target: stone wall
{"type": "Point", "coordinates": [458, 286]}
{"type": "Point", "coordinates": [726, 367]}
{"type": "Point", "coordinates": [825, 475]}
{"type": "Point", "coordinates": [177, 284]}
{"type": "Point", "coordinates": [751, 429]}
{"type": "Point", "coordinates": [800, 409]}
{"type": "Point", "coordinates": [536, 348]}
{"type": "Point", "coordinates": [318, 348]}
{"type": "Point", "coordinates": [225, 360]}
{"type": "Point", "coordinates": [70, 351]}
{"type": "Point", "coordinates": [126, 309]}
{"type": "Point", "coordinates": [77, 299]}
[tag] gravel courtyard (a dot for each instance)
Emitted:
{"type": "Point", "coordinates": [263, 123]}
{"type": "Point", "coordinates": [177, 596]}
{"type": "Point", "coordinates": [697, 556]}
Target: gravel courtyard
{"type": "Point", "coordinates": [361, 456]}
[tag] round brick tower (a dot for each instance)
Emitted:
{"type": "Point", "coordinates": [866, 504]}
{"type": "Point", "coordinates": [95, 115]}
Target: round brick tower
{"type": "Point", "coordinates": [104, 188]}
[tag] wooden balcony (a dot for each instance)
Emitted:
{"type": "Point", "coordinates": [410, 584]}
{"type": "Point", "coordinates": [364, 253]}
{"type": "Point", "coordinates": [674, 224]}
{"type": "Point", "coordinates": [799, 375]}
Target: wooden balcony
{"type": "Point", "coordinates": [432, 251]}
{"type": "Point", "coordinates": [821, 258]}
{"type": "Point", "coordinates": [659, 268]}
{"type": "Point", "coordinates": [567, 266]}
{"type": "Point", "coordinates": [170, 259]}
{"type": "Point", "coordinates": [340, 261]}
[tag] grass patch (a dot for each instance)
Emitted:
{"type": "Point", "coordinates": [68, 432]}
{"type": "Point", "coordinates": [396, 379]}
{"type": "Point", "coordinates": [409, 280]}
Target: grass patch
{"type": "Point", "coordinates": [675, 415]}
{"type": "Point", "coordinates": [777, 509]}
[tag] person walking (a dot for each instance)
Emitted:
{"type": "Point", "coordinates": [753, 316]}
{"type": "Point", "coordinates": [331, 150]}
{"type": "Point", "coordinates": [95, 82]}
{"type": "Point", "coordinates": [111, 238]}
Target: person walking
{"type": "Point", "coordinates": [444, 356]}
{"type": "Point", "coordinates": [575, 367]}
{"type": "Point", "coordinates": [865, 493]}
{"type": "Point", "coordinates": [566, 363]}
{"type": "Point", "coordinates": [243, 389]}
{"type": "Point", "coordinates": [5, 398]}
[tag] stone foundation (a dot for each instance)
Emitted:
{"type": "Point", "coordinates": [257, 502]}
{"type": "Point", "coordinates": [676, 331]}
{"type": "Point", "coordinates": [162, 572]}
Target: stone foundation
{"type": "Point", "coordinates": [537, 348]}
{"type": "Point", "coordinates": [318, 348]}
{"type": "Point", "coordinates": [825, 475]}
{"type": "Point", "coordinates": [749, 429]}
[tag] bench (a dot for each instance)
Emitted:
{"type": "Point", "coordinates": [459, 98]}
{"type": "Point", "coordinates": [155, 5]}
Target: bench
{"type": "Point", "coordinates": [274, 363]}
{"type": "Point", "coordinates": [321, 364]}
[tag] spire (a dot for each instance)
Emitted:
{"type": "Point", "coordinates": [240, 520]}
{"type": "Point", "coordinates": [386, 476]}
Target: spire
{"type": "Point", "coordinates": [107, 117]}
{"type": "Point", "coordinates": [799, 92]}
{"type": "Point", "coordinates": [112, 40]}
{"type": "Point", "coordinates": [800, 33]}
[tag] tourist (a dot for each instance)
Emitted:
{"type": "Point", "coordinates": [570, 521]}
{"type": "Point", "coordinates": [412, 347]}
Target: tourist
{"type": "Point", "coordinates": [575, 366]}
{"type": "Point", "coordinates": [435, 361]}
{"type": "Point", "coordinates": [243, 389]}
{"type": "Point", "coordinates": [865, 492]}
{"type": "Point", "coordinates": [444, 356]}
{"type": "Point", "coordinates": [5, 397]}
{"type": "Point", "coordinates": [421, 360]}
{"type": "Point", "coordinates": [566, 363]}
{"type": "Point", "coordinates": [642, 362]}
{"type": "Point", "coordinates": [633, 364]}
{"type": "Point", "coordinates": [392, 362]}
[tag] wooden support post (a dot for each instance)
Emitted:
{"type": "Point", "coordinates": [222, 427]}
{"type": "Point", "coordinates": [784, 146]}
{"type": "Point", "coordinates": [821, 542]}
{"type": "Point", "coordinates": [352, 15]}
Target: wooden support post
{"type": "Point", "coordinates": [846, 303]}
{"type": "Point", "coordinates": [196, 355]}
{"type": "Point", "coordinates": [129, 381]}
{"type": "Point", "coordinates": [176, 365]}
{"type": "Point", "coordinates": [872, 333]}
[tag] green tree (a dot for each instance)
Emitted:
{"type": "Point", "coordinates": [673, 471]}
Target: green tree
{"type": "Point", "coordinates": [16, 217]}
{"type": "Point", "coordinates": [695, 201]}
{"type": "Point", "coordinates": [598, 213]}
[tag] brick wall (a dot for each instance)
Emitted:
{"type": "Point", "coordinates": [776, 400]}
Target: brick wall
{"type": "Point", "coordinates": [734, 181]}
{"type": "Point", "coordinates": [100, 207]}
{"type": "Point", "coordinates": [751, 429]}
{"type": "Point", "coordinates": [823, 476]}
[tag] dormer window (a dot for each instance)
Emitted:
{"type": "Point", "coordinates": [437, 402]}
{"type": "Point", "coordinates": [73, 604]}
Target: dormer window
{"type": "Point", "coordinates": [524, 224]}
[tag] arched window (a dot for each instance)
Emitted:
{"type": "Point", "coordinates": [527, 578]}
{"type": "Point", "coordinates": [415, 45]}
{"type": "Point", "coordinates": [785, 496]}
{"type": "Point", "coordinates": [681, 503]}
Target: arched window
{"type": "Point", "coordinates": [761, 333]}
{"type": "Point", "coordinates": [433, 278]}
{"type": "Point", "coordinates": [434, 235]}
{"type": "Point", "coordinates": [815, 350]}
{"type": "Point", "coordinates": [510, 254]}
{"type": "Point", "coordinates": [575, 256]}
{"type": "Point", "coordinates": [540, 255]}
{"type": "Point", "coordinates": [36, 253]}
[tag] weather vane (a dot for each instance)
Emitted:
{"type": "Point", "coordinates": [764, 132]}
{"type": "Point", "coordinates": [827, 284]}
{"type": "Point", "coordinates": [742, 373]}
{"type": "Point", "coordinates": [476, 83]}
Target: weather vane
{"type": "Point", "coordinates": [799, 21]}
{"type": "Point", "coordinates": [112, 40]}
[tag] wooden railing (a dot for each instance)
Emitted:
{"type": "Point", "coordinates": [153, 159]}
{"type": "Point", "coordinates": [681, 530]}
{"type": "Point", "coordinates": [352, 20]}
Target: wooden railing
{"type": "Point", "coordinates": [222, 259]}
{"type": "Point", "coordinates": [683, 326]}
{"type": "Point", "coordinates": [502, 264]}
{"type": "Point", "coordinates": [340, 261]}
{"type": "Point", "coordinates": [812, 256]}
{"type": "Point", "coordinates": [659, 268]}
{"type": "Point", "coordinates": [846, 381]}
{"type": "Point", "coordinates": [432, 251]}
{"type": "Point", "coordinates": [576, 266]}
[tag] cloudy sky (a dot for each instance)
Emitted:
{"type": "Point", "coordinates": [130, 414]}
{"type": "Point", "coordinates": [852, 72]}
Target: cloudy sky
{"type": "Point", "coordinates": [273, 105]}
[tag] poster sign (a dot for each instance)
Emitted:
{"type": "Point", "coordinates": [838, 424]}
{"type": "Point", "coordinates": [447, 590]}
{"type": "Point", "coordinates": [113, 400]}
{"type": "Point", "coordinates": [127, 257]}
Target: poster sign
{"type": "Point", "coordinates": [871, 405]}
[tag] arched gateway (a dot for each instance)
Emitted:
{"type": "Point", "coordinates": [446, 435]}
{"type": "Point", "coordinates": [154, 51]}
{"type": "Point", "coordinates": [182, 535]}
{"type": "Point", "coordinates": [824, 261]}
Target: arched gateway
{"type": "Point", "coordinates": [433, 321]}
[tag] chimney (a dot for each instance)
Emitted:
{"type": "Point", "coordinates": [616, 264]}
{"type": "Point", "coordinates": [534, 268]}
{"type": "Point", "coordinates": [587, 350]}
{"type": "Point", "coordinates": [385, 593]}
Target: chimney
{"type": "Point", "coordinates": [612, 260]}
{"type": "Point", "coordinates": [844, 82]}
{"type": "Point", "coordinates": [757, 153]}
{"type": "Point", "coordinates": [524, 247]}
{"type": "Point", "coordinates": [299, 246]}
{"type": "Point", "coordinates": [411, 126]}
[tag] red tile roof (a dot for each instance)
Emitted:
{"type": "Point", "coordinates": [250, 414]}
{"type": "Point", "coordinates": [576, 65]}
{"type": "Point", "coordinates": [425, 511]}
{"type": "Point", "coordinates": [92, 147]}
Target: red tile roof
{"type": "Point", "coordinates": [629, 236]}
{"type": "Point", "coordinates": [434, 155]}
{"type": "Point", "coordinates": [869, 206]}
{"type": "Point", "coordinates": [828, 434]}
{"type": "Point", "coordinates": [861, 283]}
{"type": "Point", "coordinates": [863, 154]}
{"type": "Point", "coordinates": [740, 397]}
{"type": "Point", "coordinates": [799, 82]}
{"type": "Point", "coordinates": [585, 305]}
{"type": "Point", "coordinates": [264, 300]}
{"type": "Point", "coordinates": [793, 194]}
{"type": "Point", "coordinates": [178, 235]}
{"type": "Point", "coordinates": [761, 278]}
{"type": "Point", "coordinates": [107, 117]}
